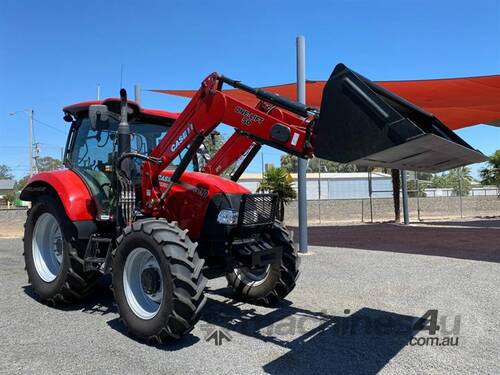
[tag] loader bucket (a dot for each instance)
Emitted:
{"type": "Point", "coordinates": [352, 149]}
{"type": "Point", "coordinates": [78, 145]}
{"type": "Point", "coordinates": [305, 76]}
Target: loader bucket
{"type": "Point", "coordinates": [362, 123]}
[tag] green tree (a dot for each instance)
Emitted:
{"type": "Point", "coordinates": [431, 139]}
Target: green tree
{"type": "Point", "coordinates": [291, 164]}
{"type": "Point", "coordinates": [491, 174]}
{"type": "Point", "coordinates": [458, 179]}
{"type": "Point", "coordinates": [416, 190]}
{"type": "Point", "coordinates": [5, 172]}
{"type": "Point", "coordinates": [21, 183]}
{"type": "Point", "coordinates": [213, 142]}
{"type": "Point", "coordinates": [279, 181]}
{"type": "Point", "coordinates": [48, 163]}
{"type": "Point", "coordinates": [10, 197]}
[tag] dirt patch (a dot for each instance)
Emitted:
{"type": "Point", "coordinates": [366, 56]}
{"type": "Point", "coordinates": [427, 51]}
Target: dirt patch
{"type": "Point", "coordinates": [12, 223]}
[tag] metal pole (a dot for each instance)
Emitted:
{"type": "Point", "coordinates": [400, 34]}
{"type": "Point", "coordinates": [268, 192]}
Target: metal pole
{"type": "Point", "coordinates": [262, 163]}
{"type": "Point", "coordinates": [137, 93]}
{"type": "Point", "coordinates": [370, 191]}
{"type": "Point", "coordinates": [404, 188]}
{"type": "Point", "coordinates": [459, 171]}
{"type": "Point", "coordinates": [302, 184]}
{"type": "Point", "coordinates": [98, 91]}
{"type": "Point", "coordinates": [417, 183]}
{"type": "Point", "coordinates": [30, 140]}
{"type": "Point", "coordinates": [319, 189]}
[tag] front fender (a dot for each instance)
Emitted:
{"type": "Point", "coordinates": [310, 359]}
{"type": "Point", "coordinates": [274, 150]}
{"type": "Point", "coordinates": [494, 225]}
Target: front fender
{"type": "Point", "coordinates": [69, 187]}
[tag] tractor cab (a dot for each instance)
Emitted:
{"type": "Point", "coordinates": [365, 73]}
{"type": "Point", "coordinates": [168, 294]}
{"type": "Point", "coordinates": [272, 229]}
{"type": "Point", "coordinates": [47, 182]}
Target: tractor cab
{"type": "Point", "coordinates": [91, 152]}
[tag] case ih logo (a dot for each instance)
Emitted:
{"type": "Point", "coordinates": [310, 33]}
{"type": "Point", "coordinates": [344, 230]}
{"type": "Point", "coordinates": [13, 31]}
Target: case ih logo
{"type": "Point", "coordinates": [248, 117]}
{"type": "Point", "coordinates": [181, 138]}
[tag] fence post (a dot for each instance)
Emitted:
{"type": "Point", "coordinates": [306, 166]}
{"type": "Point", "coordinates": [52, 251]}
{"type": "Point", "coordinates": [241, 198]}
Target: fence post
{"type": "Point", "coordinates": [404, 188]}
{"type": "Point", "coordinates": [460, 191]}
{"type": "Point", "coordinates": [370, 190]}
{"type": "Point", "coordinates": [417, 184]}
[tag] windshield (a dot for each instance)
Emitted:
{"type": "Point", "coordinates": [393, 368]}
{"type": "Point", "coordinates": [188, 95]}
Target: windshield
{"type": "Point", "coordinates": [94, 148]}
{"type": "Point", "coordinates": [92, 154]}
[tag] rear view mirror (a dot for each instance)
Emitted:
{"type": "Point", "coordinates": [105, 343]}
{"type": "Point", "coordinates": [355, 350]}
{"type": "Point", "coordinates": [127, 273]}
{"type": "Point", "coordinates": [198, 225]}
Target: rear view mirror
{"type": "Point", "coordinates": [98, 116]}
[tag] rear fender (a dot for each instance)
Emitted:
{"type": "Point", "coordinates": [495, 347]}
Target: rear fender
{"type": "Point", "coordinates": [68, 187]}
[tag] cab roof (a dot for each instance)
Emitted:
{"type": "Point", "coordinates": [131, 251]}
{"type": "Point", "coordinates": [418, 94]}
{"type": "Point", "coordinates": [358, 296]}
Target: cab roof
{"type": "Point", "coordinates": [114, 105]}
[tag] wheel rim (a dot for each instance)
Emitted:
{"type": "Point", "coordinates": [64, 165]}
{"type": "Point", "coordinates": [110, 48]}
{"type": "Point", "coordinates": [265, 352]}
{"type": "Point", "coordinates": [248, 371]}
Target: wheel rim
{"type": "Point", "coordinates": [47, 247]}
{"type": "Point", "coordinates": [252, 277]}
{"type": "Point", "coordinates": [143, 283]}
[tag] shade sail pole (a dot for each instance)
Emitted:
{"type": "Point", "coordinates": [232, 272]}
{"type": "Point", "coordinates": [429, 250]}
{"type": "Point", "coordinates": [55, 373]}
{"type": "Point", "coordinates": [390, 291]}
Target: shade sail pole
{"type": "Point", "coordinates": [302, 184]}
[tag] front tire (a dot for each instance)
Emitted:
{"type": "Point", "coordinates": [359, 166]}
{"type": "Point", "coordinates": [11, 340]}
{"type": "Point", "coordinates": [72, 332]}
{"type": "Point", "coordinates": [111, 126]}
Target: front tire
{"type": "Point", "coordinates": [157, 280]}
{"type": "Point", "coordinates": [53, 267]}
{"type": "Point", "coordinates": [271, 284]}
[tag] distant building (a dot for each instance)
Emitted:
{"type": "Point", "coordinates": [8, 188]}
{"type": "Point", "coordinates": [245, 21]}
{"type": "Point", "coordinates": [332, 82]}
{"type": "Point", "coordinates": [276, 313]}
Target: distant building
{"type": "Point", "coordinates": [353, 185]}
{"type": "Point", "coordinates": [478, 191]}
{"type": "Point", "coordinates": [6, 187]}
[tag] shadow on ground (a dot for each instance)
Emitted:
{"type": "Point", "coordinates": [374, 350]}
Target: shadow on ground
{"type": "Point", "coordinates": [101, 302]}
{"type": "Point", "coordinates": [363, 341]}
{"type": "Point", "coordinates": [474, 240]}
{"type": "Point", "coordinates": [360, 342]}
{"type": "Point", "coordinates": [487, 223]}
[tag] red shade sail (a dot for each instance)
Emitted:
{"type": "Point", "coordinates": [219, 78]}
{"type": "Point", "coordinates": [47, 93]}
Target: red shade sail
{"type": "Point", "coordinates": [457, 102]}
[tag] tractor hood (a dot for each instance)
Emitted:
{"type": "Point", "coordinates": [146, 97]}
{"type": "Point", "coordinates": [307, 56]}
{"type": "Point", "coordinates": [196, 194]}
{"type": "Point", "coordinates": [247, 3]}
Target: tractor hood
{"type": "Point", "coordinates": [203, 184]}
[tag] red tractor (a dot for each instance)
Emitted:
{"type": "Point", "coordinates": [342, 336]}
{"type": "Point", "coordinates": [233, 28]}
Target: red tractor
{"type": "Point", "coordinates": [141, 200]}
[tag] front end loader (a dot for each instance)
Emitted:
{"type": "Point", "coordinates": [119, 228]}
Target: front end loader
{"type": "Point", "coordinates": [140, 200]}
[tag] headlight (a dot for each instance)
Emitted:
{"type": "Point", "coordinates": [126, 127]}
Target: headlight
{"type": "Point", "coordinates": [229, 217]}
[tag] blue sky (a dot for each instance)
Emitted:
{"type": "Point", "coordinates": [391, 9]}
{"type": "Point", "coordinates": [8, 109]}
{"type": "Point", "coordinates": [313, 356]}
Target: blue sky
{"type": "Point", "coordinates": [53, 53]}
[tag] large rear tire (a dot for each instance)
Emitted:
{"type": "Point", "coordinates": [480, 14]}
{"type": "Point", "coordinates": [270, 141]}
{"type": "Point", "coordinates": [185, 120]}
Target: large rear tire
{"type": "Point", "coordinates": [54, 269]}
{"type": "Point", "coordinates": [157, 280]}
{"type": "Point", "coordinates": [271, 284]}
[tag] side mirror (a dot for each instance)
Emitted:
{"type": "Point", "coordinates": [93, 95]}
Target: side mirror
{"type": "Point", "coordinates": [98, 116]}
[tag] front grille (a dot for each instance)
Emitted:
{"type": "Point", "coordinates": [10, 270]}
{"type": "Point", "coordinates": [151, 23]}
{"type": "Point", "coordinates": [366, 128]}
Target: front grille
{"type": "Point", "coordinates": [258, 209]}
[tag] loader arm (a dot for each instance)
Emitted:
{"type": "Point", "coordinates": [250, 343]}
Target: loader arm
{"type": "Point", "coordinates": [240, 145]}
{"type": "Point", "coordinates": [358, 122]}
{"type": "Point", "coordinates": [208, 108]}
{"type": "Point", "coordinates": [233, 149]}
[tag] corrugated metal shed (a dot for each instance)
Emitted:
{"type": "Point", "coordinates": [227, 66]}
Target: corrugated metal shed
{"type": "Point", "coordinates": [334, 185]}
{"type": "Point", "coordinates": [7, 184]}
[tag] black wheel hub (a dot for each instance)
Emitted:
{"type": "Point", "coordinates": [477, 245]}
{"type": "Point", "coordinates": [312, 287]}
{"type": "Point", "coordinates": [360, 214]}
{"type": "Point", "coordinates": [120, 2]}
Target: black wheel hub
{"type": "Point", "coordinates": [150, 280]}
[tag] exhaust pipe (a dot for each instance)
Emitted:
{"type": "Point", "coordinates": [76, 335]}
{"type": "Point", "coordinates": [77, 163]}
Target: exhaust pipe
{"type": "Point", "coordinates": [364, 124]}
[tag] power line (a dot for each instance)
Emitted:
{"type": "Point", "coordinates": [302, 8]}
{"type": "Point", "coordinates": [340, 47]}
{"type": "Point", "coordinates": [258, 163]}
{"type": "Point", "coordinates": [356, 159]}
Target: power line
{"type": "Point", "coordinates": [48, 125]}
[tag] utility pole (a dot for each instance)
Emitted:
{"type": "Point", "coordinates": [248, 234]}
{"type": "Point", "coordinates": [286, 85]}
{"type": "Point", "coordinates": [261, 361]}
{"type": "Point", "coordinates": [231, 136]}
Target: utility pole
{"type": "Point", "coordinates": [302, 183]}
{"type": "Point", "coordinates": [137, 93]}
{"type": "Point", "coordinates": [36, 156]}
{"type": "Point", "coordinates": [30, 114]}
{"type": "Point", "coordinates": [30, 140]}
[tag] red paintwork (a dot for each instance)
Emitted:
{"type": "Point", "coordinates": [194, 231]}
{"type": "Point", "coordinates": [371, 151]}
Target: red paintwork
{"type": "Point", "coordinates": [72, 191]}
{"type": "Point", "coordinates": [187, 201]}
{"type": "Point", "coordinates": [184, 205]}
{"type": "Point", "coordinates": [83, 106]}
{"type": "Point", "coordinates": [207, 109]}
{"type": "Point", "coordinates": [188, 206]}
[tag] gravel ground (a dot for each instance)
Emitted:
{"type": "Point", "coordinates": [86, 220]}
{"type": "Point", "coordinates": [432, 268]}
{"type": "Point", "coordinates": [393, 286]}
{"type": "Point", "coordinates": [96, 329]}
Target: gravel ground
{"type": "Point", "coordinates": [350, 313]}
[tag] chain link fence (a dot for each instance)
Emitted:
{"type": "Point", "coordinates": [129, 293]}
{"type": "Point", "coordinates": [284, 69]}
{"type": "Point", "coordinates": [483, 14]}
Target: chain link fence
{"type": "Point", "coordinates": [436, 204]}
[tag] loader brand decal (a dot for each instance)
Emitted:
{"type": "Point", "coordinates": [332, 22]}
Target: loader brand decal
{"type": "Point", "coordinates": [181, 138]}
{"type": "Point", "coordinates": [248, 117]}
{"type": "Point", "coordinates": [201, 191]}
